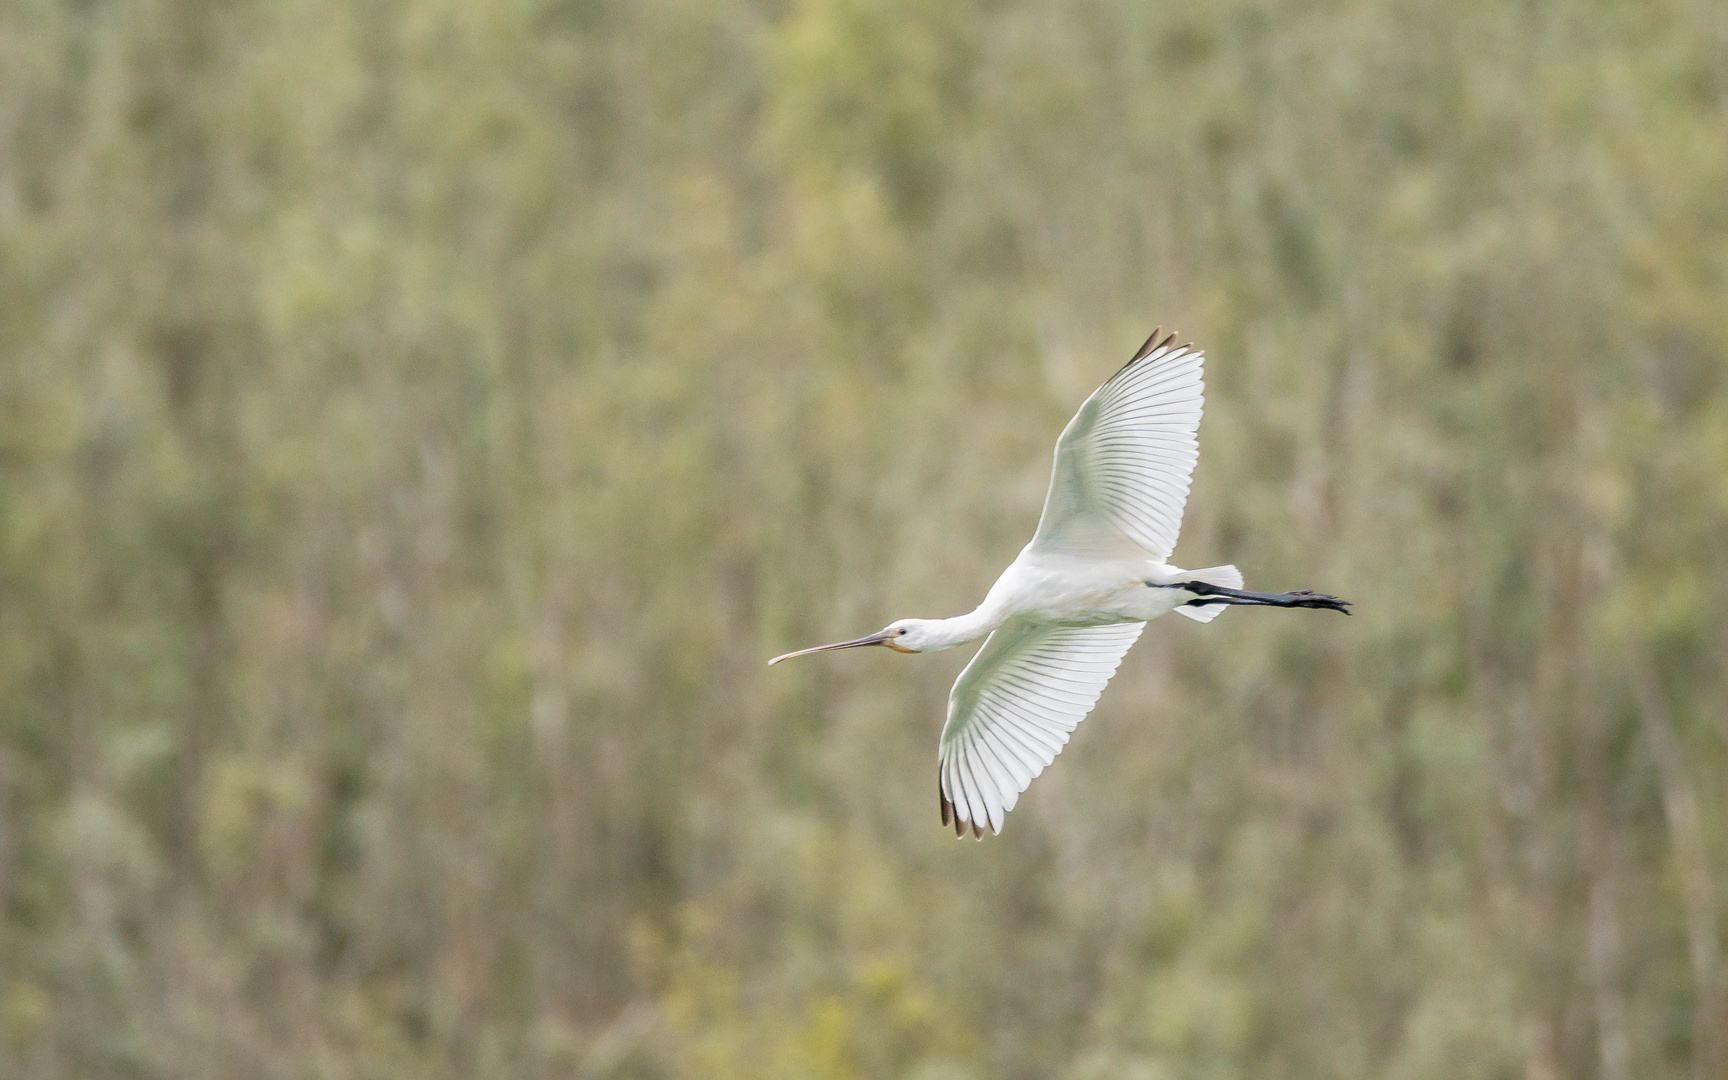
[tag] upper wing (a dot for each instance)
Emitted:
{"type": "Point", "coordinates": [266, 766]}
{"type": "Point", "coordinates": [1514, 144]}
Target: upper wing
{"type": "Point", "coordinates": [1012, 709]}
{"type": "Point", "coordinates": [1123, 462]}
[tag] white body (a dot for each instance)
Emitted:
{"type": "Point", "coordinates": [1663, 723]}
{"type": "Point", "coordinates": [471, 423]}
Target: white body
{"type": "Point", "coordinates": [1058, 589]}
{"type": "Point", "coordinates": [1074, 590]}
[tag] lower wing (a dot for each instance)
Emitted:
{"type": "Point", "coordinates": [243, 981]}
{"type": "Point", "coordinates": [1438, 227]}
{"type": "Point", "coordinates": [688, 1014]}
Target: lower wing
{"type": "Point", "coordinates": [1013, 708]}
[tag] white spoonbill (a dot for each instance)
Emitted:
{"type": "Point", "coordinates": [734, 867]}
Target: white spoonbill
{"type": "Point", "coordinates": [1065, 611]}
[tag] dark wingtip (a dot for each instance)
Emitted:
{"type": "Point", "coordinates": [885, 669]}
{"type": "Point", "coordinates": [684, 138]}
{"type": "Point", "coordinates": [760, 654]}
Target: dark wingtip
{"type": "Point", "coordinates": [1158, 340]}
{"type": "Point", "coordinates": [977, 833]}
{"type": "Point", "coordinates": [942, 798]}
{"type": "Point", "coordinates": [1148, 346]}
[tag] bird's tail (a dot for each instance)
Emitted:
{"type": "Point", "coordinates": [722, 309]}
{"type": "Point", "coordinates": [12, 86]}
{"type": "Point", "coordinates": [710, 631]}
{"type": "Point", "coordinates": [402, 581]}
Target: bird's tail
{"type": "Point", "coordinates": [1227, 576]}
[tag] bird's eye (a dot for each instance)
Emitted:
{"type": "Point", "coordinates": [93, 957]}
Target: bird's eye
{"type": "Point", "coordinates": [901, 631]}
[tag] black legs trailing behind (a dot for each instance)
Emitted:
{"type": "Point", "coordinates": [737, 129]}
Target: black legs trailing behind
{"type": "Point", "coordinates": [1205, 594]}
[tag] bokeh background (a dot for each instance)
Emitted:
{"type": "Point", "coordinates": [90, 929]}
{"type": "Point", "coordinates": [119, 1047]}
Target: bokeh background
{"type": "Point", "coordinates": [419, 420]}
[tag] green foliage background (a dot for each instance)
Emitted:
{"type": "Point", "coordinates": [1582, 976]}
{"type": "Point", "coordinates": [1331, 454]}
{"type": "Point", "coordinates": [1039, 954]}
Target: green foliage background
{"type": "Point", "coordinates": [420, 419]}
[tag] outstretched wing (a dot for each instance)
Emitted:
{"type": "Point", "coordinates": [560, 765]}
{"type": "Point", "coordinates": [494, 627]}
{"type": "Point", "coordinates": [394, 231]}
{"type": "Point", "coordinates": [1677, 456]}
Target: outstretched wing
{"type": "Point", "coordinates": [1123, 462]}
{"type": "Point", "coordinates": [1013, 708]}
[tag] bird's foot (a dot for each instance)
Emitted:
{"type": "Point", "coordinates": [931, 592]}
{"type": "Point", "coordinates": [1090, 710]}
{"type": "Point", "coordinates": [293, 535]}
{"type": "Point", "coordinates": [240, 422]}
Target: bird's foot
{"type": "Point", "coordinates": [1310, 599]}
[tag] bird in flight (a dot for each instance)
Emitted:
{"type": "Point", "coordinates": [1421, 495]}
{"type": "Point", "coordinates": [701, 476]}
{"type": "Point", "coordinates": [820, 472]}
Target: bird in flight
{"type": "Point", "coordinates": [1064, 613]}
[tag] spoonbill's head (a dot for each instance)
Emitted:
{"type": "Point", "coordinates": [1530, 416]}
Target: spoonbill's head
{"type": "Point", "coordinates": [905, 635]}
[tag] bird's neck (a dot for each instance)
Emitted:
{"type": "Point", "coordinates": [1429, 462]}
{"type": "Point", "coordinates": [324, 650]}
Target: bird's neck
{"type": "Point", "coordinates": [947, 633]}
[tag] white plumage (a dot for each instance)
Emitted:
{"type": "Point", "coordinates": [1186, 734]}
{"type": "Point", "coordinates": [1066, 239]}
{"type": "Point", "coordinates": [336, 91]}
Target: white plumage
{"type": "Point", "coordinates": [1123, 463]}
{"type": "Point", "coordinates": [1013, 708]}
{"type": "Point", "coordinates": [1065, 612]}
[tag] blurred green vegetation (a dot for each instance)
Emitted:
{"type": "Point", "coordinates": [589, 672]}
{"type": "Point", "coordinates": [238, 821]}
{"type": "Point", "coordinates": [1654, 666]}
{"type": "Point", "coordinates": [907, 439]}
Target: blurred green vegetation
{"type": "Point", "coordinates": [419, 420]}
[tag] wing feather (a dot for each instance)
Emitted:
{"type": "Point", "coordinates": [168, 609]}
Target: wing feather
{"type": "Point", "coordinates": [1013, 708]}
{"type": "Point", "coordinates": [1120, 479]}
